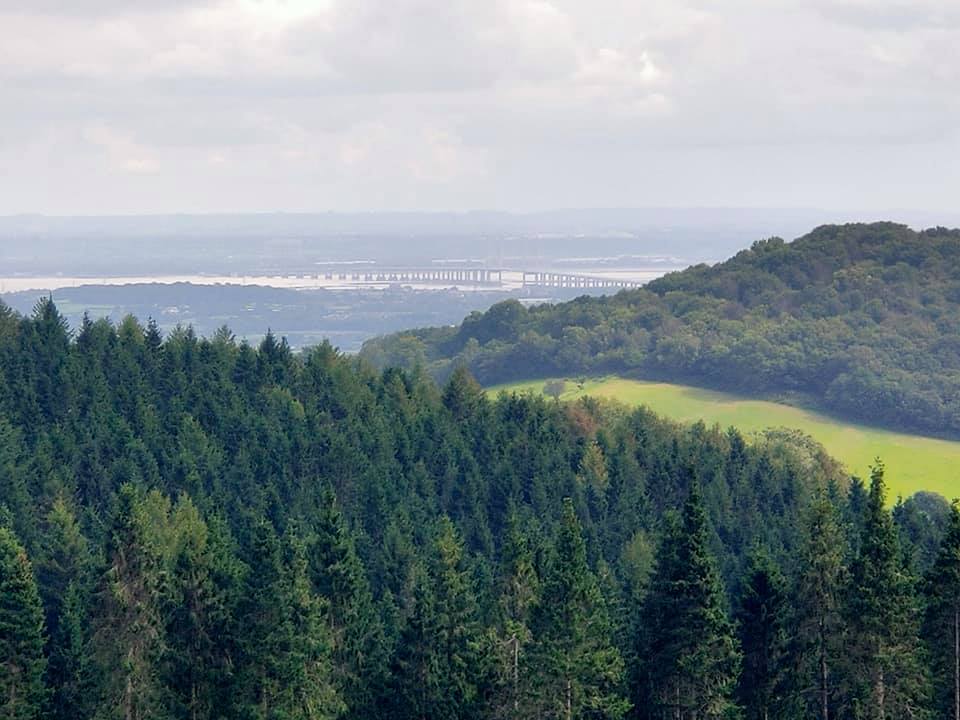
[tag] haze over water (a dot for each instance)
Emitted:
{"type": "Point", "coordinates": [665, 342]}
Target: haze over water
{"type": "Point", "coordinates": [511, 280]}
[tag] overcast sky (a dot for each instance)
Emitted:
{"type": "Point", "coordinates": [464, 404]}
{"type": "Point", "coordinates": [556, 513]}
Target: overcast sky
{"type": "Point", "coordinates": [127, 106]}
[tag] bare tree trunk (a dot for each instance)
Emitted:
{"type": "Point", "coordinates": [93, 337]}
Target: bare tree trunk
{"type": "Point", "coordinates": [128, 700]}
{"type": "Point", "coordinates": [569, 699]}
{"type": "Point", "coordinates": [516, 674]}
{"type": "Point", "coordinates": [881, 696]}
{"type": "Point", "coordinates": [956, 663]}
{"type": "Point", "coordinates": [824, 695]}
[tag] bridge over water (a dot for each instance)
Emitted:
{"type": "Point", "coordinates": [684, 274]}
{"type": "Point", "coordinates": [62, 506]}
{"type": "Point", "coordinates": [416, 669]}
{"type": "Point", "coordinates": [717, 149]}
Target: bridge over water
{"type": "Point", "coordinates": [421, 276]}
{"type": "Point", "coordinates": [470, 276]}
{"type": "Point", "coordinates": [574, 280]}
{"type": "Point", "coordinates": [371, 276]}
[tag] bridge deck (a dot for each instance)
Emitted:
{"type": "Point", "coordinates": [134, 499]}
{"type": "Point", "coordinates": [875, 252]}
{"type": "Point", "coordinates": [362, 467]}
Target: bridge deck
{"type": "Point", "coordinates": [473, 276]}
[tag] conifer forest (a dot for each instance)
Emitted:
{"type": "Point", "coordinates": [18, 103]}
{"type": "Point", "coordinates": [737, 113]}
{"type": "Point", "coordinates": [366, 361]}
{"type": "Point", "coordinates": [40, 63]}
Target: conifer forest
{"type": "Point", "coordinates": [193, 528]}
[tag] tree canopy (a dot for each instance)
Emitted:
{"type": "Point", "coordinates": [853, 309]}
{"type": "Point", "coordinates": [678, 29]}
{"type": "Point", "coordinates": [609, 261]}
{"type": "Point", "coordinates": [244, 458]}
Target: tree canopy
{"type": "Point", "coordinates": [196, 529]}
{"type": "Point", "coordinates": [861, 319]}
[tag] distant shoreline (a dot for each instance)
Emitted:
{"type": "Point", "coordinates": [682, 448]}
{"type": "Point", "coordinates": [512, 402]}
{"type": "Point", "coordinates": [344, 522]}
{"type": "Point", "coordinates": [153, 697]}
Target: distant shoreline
{"type": "Point", "coordinates": [512, 280]}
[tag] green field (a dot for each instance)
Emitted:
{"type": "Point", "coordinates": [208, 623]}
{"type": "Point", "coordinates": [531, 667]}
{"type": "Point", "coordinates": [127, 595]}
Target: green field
{"type": "Point", "coordinates": [913, 462]}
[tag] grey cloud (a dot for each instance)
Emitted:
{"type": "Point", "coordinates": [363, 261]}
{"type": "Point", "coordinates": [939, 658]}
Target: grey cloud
{"type": "Point", "coordinates": [353, 104]}
{"type": "Point", "coordinates": [94, 8]}
{"type": "Point", "coordinates": [893, 15]}
{"type": "Point", "coordinates": [429, 46]}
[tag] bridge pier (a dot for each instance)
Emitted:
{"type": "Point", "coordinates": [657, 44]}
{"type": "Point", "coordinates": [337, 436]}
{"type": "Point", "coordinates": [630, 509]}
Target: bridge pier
{"type": "Point", "coordinates": [533, 279]}
{"type": "Point", "coordinates": [446, 276]}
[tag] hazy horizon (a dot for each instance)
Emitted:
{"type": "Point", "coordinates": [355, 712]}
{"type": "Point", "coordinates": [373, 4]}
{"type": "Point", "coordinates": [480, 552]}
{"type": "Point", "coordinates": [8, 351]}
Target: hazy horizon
{"type": "Point", "coordinates": [844, 213]}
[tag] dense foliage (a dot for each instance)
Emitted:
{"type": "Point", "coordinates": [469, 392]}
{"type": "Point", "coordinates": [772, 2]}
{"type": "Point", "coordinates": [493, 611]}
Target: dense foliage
{"type": "Point", "coordinates": [193, 528]}
{"type": "Point", "coordinates": [862, 319]}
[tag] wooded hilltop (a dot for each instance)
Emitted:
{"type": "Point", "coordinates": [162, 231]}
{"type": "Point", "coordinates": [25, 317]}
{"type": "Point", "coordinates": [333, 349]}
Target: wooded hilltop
{"type": "Point", "coordinates": [862, 320]}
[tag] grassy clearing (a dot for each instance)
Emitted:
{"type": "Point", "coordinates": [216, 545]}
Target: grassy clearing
{"type": "Point", "coordinates": [913, 462]}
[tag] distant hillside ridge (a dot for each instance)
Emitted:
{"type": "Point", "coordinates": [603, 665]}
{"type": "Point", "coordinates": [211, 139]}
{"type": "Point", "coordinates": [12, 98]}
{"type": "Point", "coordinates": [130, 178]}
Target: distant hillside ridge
{"type": "Point", "coordinates": [861, 319]}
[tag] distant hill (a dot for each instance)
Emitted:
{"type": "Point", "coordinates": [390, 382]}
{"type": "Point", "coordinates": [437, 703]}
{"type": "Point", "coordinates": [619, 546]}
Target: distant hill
{"type": "Point", "coordinates": [860, 319]}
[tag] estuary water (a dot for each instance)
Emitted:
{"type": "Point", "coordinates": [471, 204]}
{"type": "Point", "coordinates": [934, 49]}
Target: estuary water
{"type": "Point", "coordinates": [512, 280]}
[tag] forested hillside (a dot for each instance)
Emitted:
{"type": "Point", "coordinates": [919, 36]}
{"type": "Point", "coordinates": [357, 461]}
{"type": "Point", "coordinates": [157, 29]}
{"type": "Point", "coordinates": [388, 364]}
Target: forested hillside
{"type": "Point", "coordinates": [193, 528]}
{"type": "Point", "coordinates": [862, 319]}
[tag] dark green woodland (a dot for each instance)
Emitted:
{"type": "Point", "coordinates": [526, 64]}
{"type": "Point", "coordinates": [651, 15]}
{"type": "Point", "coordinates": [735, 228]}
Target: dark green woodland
{"type": "Point", "coordinates": [194, 529]}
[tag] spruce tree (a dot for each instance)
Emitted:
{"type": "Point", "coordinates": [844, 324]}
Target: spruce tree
{"type": "Point", "coordinates": [815, 625]}
{"type": "Point", "coordinates": [47, 345]}
{"type": "Point", "coordinates": [415, 672]}
{"type": "Point", "coordinates": [128, 622]}
{"type": "Point", "coordinates": [64, 573]}
{"type": "Point", "coordinates": [285, 670]}
{"type": "Point", "coordinates": [885, 674]}
{"type": "Point", "coordinates": [263, 616]}
{"type": "Point", "coordinates": [437, 667]}
{"type": "Point", "coordinates": [688, 650]}
{"type": "Point", "coordinates": [72, 667]}
{"type": "Point", "coordinates": [310, 688]}
{"type": "Point", "coordinates": [196, 664]}
{"type": "Point", "coordinates": [519, 589]}
{"type": "Point", "coordinates": [63, 559]}
{"type": "Point", "coordinates": [941, 627]}
{"type": "Point", "coordinates": [22, 662]}
{"type": "Point", "coordinates": [462, 395]}
{"type": "Point", "coordinates": [760, 620]}
{"type": "Point", "coordinates": [359, 645]}
{"type": "Point", "coordinates": [15, 496]}
{"type": "Point", "coordinates": [459, 640]}
{"type": "Point", "coordinates": [577, 671]}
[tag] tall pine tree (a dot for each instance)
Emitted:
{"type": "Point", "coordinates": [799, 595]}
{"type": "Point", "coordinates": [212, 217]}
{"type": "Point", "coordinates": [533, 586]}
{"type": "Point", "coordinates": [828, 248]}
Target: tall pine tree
{"type": "Point", "coordinates": [285, 670]}
{"type": "Point", "coordinates": [577, 671]}
{"type": "Point", "coordinates": [64, 572]}
{"type": "Point", "coordinates": [815, 625]}
{"type": "Point", "coordinates": [688, 649]}
{"type": "Point", "coordinates": [760, 619]}
{"type": "Point", "coordinates": [128, 622]}
{"type": "Point", "coordinates": [197, 658]}
{"type": "Point", "coordinates": [519, 588]}
{"type": "Point", "coordinates": [941, 627]}
{"type": "Point", "coordinates": [359, 645]}
{"type": "Point", "coordinates": [885, 674]}
{"type": "Point", "coordinates": [22, 662]}
{"type": "Point", "coordinates": [437, 669]}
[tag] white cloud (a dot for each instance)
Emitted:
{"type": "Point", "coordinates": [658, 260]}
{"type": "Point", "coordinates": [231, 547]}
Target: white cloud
{"type": "Point", "coordinates": [93, 8]}
{"type": "Point", "coordinates": [122, 151]}
{"type": "Point", "coordinates": [892, 15]}
{"type": "Point", "coordinates": [610, 66]}
{"type": "Point", "coordinates": [465, 103]}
